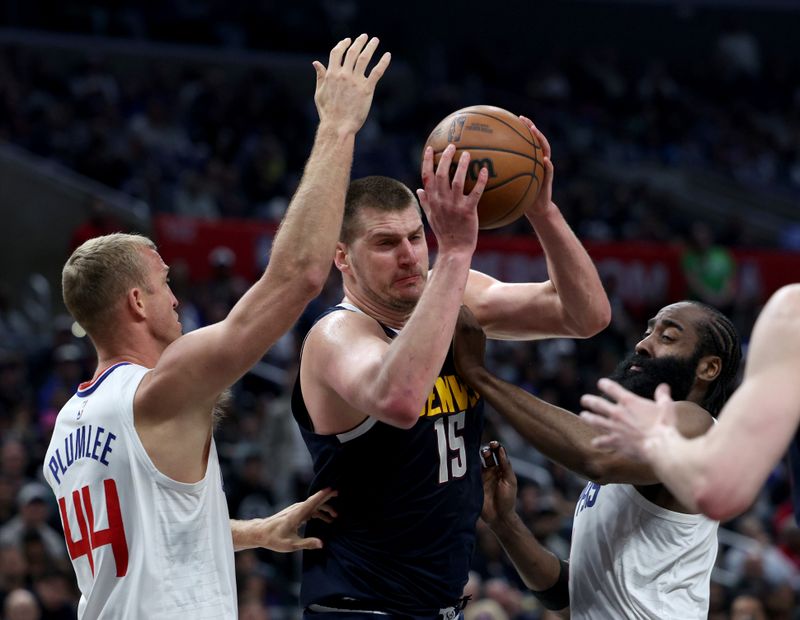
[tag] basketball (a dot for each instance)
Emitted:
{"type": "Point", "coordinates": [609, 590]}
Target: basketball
{"type": "Point", "coordinates": [500, 141]}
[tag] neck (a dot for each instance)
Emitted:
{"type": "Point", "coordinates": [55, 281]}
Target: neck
{"type": "Point", "coordinates": [380, 312]}
{"type": "Point", "coordinates": [144, 353]}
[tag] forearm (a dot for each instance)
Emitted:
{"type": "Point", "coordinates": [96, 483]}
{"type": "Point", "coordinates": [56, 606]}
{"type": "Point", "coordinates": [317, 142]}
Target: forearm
{"type": "Point", "coordinates": [246, 534]}
{"type": "Point", "coordinates": [558, 434]}
{"type": "Point", "coordinates": [415, 357]}
{"type": "Point", "coordinates": [573, 274]}
{"type": "Point", "coordinates": [538, 567]}
{"type": "Point", "coordinates": [307, 237]}
{"type": "Point", "coordinates": [676, 464]}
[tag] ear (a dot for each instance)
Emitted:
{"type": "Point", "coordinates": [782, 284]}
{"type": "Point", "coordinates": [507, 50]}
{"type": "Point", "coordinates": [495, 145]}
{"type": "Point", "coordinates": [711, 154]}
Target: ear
{"type": "Point", "coordinates": [135, 302]}
{"type": "Point", "coordinates": [708, 368]}
{"type": "Point", "coordinates": [341, 258]}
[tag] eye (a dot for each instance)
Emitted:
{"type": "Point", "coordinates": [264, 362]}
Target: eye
{"type": "Point", "coordinates": [666, 338]}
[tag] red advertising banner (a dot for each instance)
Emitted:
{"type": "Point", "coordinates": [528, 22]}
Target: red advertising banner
{"type": "Point", "coordinates": [642, 274]}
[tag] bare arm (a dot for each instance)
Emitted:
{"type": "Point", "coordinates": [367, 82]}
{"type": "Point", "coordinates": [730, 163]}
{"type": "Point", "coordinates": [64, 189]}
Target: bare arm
{"type": "Point", "coordinates": [559, 434]}
{"type": "Point", "coordinates": [572, 303]}
{"type": "Point", "coordinates": [279, 532]}
{"type": "Point", "coordinates": [539, 568]}
{"type": "Point", "coordinates": [721, 472]}
{"type": "Point", "coordinates": [197, 367]}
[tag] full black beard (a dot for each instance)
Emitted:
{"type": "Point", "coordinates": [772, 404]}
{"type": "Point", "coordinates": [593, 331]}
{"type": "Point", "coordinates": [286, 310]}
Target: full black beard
{"type": "Point", "coordinates": [677, 372]}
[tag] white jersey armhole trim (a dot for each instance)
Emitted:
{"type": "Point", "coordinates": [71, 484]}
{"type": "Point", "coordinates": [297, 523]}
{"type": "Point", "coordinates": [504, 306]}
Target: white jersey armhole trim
{"type": "Point", "coordinates": [144, 457]}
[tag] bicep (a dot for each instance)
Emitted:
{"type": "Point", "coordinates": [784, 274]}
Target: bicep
{"type": "Point", "coordinates": [521, 311]}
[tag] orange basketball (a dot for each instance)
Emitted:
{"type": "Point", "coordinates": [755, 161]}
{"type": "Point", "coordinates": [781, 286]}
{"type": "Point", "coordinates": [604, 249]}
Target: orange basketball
{"type": "Point", "coordinates": [500, 141]}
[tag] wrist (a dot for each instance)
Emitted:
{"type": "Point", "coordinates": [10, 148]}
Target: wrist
{"type": "Point", "coordinates": [504, 525]}
{"type": "Point", "coordinates": [336, 130]}
{"type": "Point", "coordinates": [540, 214]}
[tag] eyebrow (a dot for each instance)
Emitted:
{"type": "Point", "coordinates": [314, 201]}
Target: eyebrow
{"type": "Point", "coordinates": [381, 234]}
{"type": "Point", "coordinates": [667, 322]}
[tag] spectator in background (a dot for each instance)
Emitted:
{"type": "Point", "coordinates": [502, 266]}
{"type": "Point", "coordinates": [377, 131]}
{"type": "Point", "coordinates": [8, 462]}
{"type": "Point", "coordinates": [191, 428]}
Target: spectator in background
{"type": "Point", "coordinates": [747, 607]}
{"type": "Point", "coordinates": [33, 514]}
{"type": "Point", "coordinates": [710, 269]}
{"type": "Point", "coordinates": [21, 605]}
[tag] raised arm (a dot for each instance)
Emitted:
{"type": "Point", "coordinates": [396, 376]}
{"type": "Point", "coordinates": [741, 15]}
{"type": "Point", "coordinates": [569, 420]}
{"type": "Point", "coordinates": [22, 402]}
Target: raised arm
{"type": "Point", "coordinates": [721, 472]}
{"type": "Point", "coordinates": [391, 380]}
{"type": "Point", "coordinates": [571, 303]}
{"type": "Point", "coordinates": [198, 366]}
{"type": "Point", "coordinates": [560, 435]}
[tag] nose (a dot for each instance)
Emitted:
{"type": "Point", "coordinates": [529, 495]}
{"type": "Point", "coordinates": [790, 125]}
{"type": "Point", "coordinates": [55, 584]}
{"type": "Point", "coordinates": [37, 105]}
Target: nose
{"type": "Point", "coordinates": [407, 253]}
{"type": "Point", "coordinates": [644, 347]}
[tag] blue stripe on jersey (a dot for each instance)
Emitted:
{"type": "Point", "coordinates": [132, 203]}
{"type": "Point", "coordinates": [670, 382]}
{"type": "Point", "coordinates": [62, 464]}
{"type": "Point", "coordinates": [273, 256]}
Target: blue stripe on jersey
{"type": "Point", "coordinates": [96, 383]}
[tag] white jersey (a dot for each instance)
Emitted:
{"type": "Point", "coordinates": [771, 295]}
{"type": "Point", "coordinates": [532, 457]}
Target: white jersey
{"type": "Point", "coordinates": [632, 559]}
{"type": "Point", "coordinates": [142, 545]}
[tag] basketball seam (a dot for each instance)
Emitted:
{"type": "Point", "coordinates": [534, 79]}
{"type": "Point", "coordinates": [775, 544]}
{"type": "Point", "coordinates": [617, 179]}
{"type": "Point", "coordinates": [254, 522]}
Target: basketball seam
{"type": "Point", "coordinates": [527, 139]}
{"type": "Point", "coordinates": [525, 193]}
{"type": "Point", "coordinates": [493, 149]}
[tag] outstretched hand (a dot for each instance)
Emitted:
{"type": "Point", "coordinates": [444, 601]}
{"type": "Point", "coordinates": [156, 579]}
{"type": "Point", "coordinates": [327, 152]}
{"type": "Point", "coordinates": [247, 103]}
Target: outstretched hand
{"type": "Point", "coordinates": [469, 344]}
{"type": "Point", "coordinates": [545, 197]}
{"type": "Point", "coordinates": [344, 90]}
{"type": "Point", "coordinates": [630, 422]}
{"type": "Point", "coordinates": [453, 216]}
{"type": "Point", "coordinates": [280, 531]}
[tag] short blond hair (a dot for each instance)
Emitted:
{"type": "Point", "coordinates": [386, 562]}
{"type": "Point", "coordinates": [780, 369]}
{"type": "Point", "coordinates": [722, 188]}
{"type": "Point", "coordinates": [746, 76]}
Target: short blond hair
{"type": "Point", "coordinates": [99, 273]}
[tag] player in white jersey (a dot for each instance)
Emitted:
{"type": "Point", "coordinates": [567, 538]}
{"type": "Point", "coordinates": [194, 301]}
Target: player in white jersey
{"type": "Point", "coordinates": [132, 460]}
{"type": "Point", "coordinates": [636, 551]}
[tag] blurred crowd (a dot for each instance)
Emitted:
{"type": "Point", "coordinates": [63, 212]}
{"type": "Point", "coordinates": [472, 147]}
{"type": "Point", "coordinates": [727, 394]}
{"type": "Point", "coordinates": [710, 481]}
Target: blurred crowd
{"type": "Point", "coordinates": [222, 141]}
{"type": "Point", "coordinates": [266, 467]}
{"type": "Point", "coordinates": [201, 141]}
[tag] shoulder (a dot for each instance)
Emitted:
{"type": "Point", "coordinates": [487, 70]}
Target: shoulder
{"type": "Point", "coordinates": [344, 324]}
{"type": "Point", "coordinates": [691, 419]}
{"type": "Point", "coordinates": [339, 334]}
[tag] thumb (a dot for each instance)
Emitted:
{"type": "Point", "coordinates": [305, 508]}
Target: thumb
{"type": "Point", "coordinates": [664, 401]}
{"type": "Point", "coordinates": [319, 68]}
{"type": "Point", "coordinates": [309, 543]}
{"type": "Point", "coordinates": [662, 394]}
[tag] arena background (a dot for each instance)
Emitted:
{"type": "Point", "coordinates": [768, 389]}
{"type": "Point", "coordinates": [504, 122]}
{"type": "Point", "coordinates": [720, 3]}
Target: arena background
{"type": "Point", "coordinates": [676, 136]}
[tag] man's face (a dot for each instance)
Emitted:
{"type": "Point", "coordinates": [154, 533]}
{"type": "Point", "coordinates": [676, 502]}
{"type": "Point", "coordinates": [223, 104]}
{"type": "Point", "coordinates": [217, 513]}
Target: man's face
{"type": "Point", "coordinates": [387, 262]}
{"type": "Point", "coordinates": [161, 303]}
{"type": "Point", "coordinates": [668, 353]}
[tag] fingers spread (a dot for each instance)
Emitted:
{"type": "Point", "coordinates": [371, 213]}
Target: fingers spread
{"type": "Point", "coordinates": [335, 60]}
{"type": "Point", "coordinates": [366, 55]}
{"type": "Point", "coordinates": [353, 52]}
{"type": "Point", "coordinates": [379, 69]}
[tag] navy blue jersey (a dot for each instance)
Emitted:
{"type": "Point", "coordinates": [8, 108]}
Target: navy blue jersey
{"type": "Point", "coordinates": [408, 503]}
{"type": "Point", "coordinates": [794, 474]}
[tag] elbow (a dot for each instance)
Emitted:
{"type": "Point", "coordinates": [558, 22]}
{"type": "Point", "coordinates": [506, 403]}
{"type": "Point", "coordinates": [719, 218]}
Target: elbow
{"type": "Point", "coordinates": [597, 469]}
{"type": "Point", "coordinates": [307, 278]}
{"type": "Point", "coordinates": [597, 318]}
{"type": "Point", "coordinates": [395, 411]}
{"type": "Point", "coordinates": [720, 505]}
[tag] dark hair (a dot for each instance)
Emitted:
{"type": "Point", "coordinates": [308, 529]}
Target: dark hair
{"type": "Point", "coordinates": [374, 192]}
{"type": "Point", "coordinates": [718, 337]}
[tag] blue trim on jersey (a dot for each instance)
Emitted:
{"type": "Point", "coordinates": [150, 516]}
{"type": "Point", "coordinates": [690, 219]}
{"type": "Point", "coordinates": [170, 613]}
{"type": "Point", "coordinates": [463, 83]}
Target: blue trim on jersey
{"type": "Point", "coordinates": [96, 383]}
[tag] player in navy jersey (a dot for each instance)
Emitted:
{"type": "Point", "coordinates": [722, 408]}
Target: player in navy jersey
{"type": "Point", "coordinates": [721, 472]}
{"type": "Point", "coordinates": [388, 421]}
